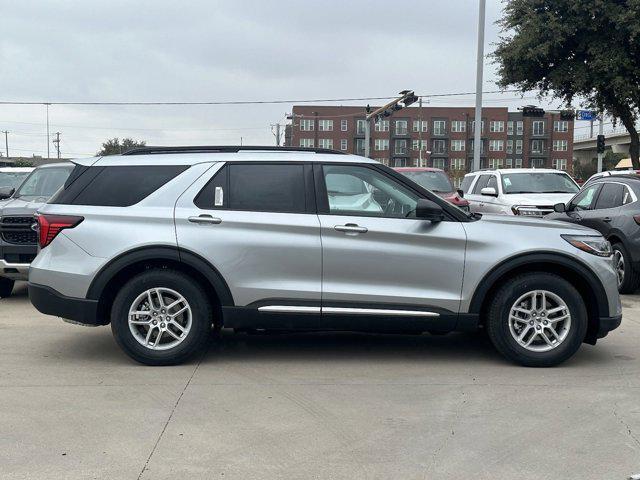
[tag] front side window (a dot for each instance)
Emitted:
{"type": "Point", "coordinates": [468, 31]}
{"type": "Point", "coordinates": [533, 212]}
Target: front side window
{"type": "Point", "coordinates": [586, 198]}
{"type": "Point", "coordinates": [256, 188]}
{"type": "Point", "coordinates": [363, 191]}
{"type": "Point", "coordinates": [481, 183]}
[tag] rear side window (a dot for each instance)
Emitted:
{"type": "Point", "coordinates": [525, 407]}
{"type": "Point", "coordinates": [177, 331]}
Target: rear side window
{"type": "Point", "coordinates": [610, 196]}
{"type": "Point", "coordinates": [117, 186]}
{"type": "Point", "coordinates": [256, 188]}
{"type": "Point", "coordinates": [466, 183]}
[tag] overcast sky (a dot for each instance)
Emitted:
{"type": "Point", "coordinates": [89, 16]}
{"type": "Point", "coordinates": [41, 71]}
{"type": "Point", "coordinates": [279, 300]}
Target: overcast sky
{"type": "Point", "coordinates": [204, 50]}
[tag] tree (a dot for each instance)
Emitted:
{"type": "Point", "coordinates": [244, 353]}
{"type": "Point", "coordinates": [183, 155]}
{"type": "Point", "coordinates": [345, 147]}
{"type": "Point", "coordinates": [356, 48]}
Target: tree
{"type": "Point", "coordinates": [583, 50]}
{"type": "Point", "coordinates": [114, 146]}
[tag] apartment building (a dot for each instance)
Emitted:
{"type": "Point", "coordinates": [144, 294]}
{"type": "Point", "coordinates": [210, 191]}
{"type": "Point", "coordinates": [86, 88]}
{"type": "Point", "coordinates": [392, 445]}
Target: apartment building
{"type": "Point", "coordinates": [440, 137]}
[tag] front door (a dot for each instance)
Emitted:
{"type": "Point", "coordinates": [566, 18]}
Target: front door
{"type": "Point", "coordinates": [376, 254]}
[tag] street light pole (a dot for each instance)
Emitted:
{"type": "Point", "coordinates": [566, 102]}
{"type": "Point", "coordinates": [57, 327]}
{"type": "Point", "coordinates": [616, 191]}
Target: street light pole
{"type": "Point", "coordinates": [600, 132]}
{"type": "Point", "coordinates": [477, 138]}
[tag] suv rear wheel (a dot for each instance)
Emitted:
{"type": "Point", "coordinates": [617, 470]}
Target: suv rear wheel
{"type": "Point", "coordinates": [537, 319]}
{"type": "Point", "coordinates": [161, 317]}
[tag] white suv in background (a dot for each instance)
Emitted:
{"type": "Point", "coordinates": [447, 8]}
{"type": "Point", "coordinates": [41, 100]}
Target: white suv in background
{"type": "Point", "coordinates": [518, 191]}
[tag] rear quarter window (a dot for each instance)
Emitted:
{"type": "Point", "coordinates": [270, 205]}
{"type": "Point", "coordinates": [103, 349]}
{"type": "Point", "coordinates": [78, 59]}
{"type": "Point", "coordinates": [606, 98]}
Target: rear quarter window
{"type": "Point", "coordinates": [115, 186]}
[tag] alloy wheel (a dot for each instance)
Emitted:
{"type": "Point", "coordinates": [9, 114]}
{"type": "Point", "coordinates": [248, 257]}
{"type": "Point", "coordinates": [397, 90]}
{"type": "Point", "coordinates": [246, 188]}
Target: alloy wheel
{"type": "Point", "coordinates": [160, 318]}
{"type": "Point", "coordinates": [539, 321]}
{"type": "Point", "coordinates": [618, 263]}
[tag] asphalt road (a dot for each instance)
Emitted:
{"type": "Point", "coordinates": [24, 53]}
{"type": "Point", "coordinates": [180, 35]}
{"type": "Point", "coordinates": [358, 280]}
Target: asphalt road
{"type": "Point", "coordinates": [321, 406]}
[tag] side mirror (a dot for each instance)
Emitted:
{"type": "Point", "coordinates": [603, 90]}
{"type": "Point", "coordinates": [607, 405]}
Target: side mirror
{"type": "Point", "coordinates": [460, 193]}
{"type": "Point", "coordinates": [489, 192]}
{"type": "Point", "coordinates": [6, 192]}
{"type": "Point", "coordinates": [429, 210]}
{"type": "Point", "coordinates": [559, 207]}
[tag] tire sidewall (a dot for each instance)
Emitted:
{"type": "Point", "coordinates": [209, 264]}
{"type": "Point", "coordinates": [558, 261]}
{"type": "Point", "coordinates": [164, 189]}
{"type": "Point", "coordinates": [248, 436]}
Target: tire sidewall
{"type": "Point", "coordinates": [499, 321]}
{"type": "Point", "coordinates": [626, 285]}
{"type": "Point", "coordinates": [200, 310]}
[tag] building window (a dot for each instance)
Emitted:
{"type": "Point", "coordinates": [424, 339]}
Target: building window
{"type": "Point", "coordinates": [344, 125]}
{"type": "Point", "coordinates": [495, 163]}
{"type": "Point", "coordinates": [438, 163]}
{"type": "Point", "coordinates": [306, 142]}
{"type": "Point", "coordinates": [399, 162]}
{"type": "Point", "coordinates": [439, 146]}
{"type": "Point", "coordinates": [537, 146]}
{"type": "Point", "coordinates": [381, 126]}
{"type": "Point", "coordinates": [381, 144]}
{"type": "Point", "coordinates": [496, 145]}
{"type": "Point", "coordinates": [457, 164]}
{"type": "Point", "coordinates": [439, 127]}
{"type": "Point", "coordinates": [517, 163]}
{"type": "Point", "coordinates": [473, 126]}
{"type": "Point", "coordinates": [457, 145]}
{"type": "Point", "coordinates": [325, 143]}
{"type": "Point", "coordinates": [360, 126]}
{"type": "Point", "coordinates": [561, 126]}
{"type": "Point", "coordinates": [518, 146]}
{"type": "Point", "coordinates": [519, 128]}
{"type": "Point", "coordinates": [537, 162]}
{"type": "Point", "coordinates": [401, 127]}
{"type": "Point", "coordinates": [415, 144]}
{"type": "Point", "coordinates": [343, 144]}
{"type": "Point", "coordinates": [420, 125]}
{"type": "Point", "coordinates": [325, 125]}
{"type": "Point", "coordinates": [359, 146]}
{"type": "Point", "coordinates": [458, 126]}
{"type": "Point", "coordinates": [471, 147]}
{"type": "Point", "coordinates": [509, 146]}
{"type": "Point", "coordinates": [509, 128]}
{"type": "Point", "coordinates": [400, 147]}
{"type": "Point", "coordinates": [383, 160]}
{"type": "Point", "coordinates": [306, 125]}
{"type": "Point", "coordinates": [496, 126]}
{"type": "Point", "coordinates": [559, 163]}
{"type": "Point", "coordinates": [538, 127]}
{"type": "Point", "coordinates": [508, 163]}
{"type": "Point", "coordinates": [560, 145]}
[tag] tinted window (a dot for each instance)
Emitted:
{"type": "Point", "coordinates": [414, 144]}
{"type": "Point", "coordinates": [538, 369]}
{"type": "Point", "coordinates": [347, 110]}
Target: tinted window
{"type": "Point", "coordinates": [481, 183]}
{"type": "Point", "coordinates": [267, 188]}
{"type": "Point", "coordinates": [610, 196]}
{"type": "Point", "coordinates": [466, 183]}
{"type": "Point", "coordinates": [119, 186]}
{"type": "Point", "coordinates": [44, 182]}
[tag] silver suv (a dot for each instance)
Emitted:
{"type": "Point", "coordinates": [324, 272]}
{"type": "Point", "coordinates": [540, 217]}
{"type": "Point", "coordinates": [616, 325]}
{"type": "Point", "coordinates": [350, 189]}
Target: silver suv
{"type": "Point", "coordinates": [166, 243]}
{"type": "Point", "coordinates": [518, 191]}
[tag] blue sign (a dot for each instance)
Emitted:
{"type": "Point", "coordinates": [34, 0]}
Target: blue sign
{"type": "Point", "coordinates": [586, 115]}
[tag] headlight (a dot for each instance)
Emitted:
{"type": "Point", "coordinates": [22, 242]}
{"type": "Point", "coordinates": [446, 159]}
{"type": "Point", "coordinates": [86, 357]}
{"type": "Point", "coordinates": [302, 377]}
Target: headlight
{"type": "Point", "coordinates": [527, 210]}
{"type": "Point", "coordinates": [594, 245]}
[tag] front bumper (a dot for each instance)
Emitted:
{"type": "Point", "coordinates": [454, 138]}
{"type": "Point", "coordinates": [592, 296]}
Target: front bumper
{"type": "Point", "coordinates": [607, 324]}
{"type": "Point", "coordinates": [14, 271]}
{"type": "Point", "coordinates": [76, 310]}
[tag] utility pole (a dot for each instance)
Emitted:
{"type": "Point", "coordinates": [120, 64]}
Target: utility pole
{"type": "Point", "coordinates": [420, 132]}
{"type": "Point", "coordinates": [57, 142]}
{"type": "Point", "coordinates": [367, 133]}
{"type": "Point", "coordinates": [48, 153]}
{"type": "Point", "coordinates": [6, 142]}
{"type": "Point", "coordinates": [276, 133]}
{"type": "Point", "coordinates": [477, 138]}
{"type": "Point", "coordinates": [600, 132]}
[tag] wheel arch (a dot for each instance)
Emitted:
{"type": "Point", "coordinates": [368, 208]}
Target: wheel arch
{"type": "Point", "coordinates": [572, 270]}
{"type": "Point", "coordinates": [104, 286]}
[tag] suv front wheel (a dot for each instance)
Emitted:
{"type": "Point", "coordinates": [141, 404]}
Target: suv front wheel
{"type": "Point", "coordinates": [161, 317]}
{"type": "Point", "coordinates": [537, 319]}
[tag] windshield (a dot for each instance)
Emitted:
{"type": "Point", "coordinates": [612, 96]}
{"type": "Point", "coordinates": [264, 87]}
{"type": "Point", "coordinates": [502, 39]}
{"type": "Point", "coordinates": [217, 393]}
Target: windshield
{"type": "Point", "coordinates": [44, 182]}
{"type": "Point", "coordinates": [12, 179]}
{"type": "Point", "coordinates": [434, 181]}
{"type": "Point", "coordinates": [538, 182]}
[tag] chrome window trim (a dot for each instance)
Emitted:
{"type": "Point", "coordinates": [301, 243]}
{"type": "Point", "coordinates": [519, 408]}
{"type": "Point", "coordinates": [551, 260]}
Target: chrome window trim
{"type": "Point", "coordinates": [345, 310]}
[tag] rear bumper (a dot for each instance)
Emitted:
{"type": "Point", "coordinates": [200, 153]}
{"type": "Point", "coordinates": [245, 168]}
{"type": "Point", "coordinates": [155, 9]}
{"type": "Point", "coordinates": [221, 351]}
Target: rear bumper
{"type": "Point", "coordinates": [607, 324]}
{"type": "Point", "coordinates": [50, 302]}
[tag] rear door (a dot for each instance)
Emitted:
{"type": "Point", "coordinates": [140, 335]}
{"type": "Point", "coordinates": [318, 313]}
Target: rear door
{"type": "Point", "coordinates": [255, 222]}
{"type": "Point", "coordinates": [607, 208]}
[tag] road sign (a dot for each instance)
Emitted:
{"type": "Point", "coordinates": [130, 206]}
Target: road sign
{"type": "Point", "coordinates": [586, 115]}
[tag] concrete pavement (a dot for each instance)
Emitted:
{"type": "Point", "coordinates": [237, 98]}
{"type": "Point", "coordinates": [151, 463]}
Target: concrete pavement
{"type": "Point", "coordinates": [324, 406]}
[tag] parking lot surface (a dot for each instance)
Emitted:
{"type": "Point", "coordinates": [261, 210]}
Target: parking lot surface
{"type": "Point", "coordinates": [334, 406]}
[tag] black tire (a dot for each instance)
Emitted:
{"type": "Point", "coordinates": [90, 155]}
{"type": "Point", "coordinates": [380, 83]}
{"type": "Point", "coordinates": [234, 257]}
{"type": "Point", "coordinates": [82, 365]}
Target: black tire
{"type": "Point", "coordinates": [201, 309]}
{"type": "Point", "coordinates": [498, 319]}
{"type": "Point", "coordinates": [6, 287]}
{"type": "Point", "coordinates": [631, 279]}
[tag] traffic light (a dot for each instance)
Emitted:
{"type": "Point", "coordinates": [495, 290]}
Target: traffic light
{"type": "Point", "coordinates": [567, 115]}
{"type": "Point", "coordinates": [532, 111]}
{"type": "Point", "coordinates": [406, 99]}
{"type": "Point", "coordinates": [600, 144]}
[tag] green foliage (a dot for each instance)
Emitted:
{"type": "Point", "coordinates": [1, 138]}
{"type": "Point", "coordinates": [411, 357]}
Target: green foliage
{"type": "Point", "coordinates": [575, 49]}
{"type": "Point", "coordinates": [585, 170]}
{"type": "Point", "coordinates": [23, 163]}
{"type": "Point", "coordinates": [114, 146]}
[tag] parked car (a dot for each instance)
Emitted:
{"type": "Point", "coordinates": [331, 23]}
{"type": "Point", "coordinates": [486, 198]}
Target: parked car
{"type": "Point", "coordinates": [610, 205]}
{"type": "Point", "coordinates": [164, 243]}
{"type": "Point", "coordinates": [438, 182]}
{"type": "Point", "coordinates": [518, 191]}
{"type": "Point", "coordinates": [18, 240]}
{"type": "Point", "coordinates": [12, 177]}
{"type": "Point", "coordinates": [609, 173]}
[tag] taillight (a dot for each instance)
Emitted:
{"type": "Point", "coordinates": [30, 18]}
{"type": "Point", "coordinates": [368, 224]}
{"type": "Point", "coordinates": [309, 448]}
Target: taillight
{"type": "Point", "coordinates": [49, 226]}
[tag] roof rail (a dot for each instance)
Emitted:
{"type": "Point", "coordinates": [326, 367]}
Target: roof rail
{"type": "Point", "coordinates": [224, 149]}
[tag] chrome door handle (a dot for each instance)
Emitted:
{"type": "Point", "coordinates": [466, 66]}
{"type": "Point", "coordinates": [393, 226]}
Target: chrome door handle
{"type": "Point", "coordinates": [351, 228]}
{"type": "Point", "coordinates": [606, 219]}
{"type": "Point", "coordinates": [205, 220]}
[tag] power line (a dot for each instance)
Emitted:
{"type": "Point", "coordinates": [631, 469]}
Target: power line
{"type": "Point", "coordinates": [246, 102]}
